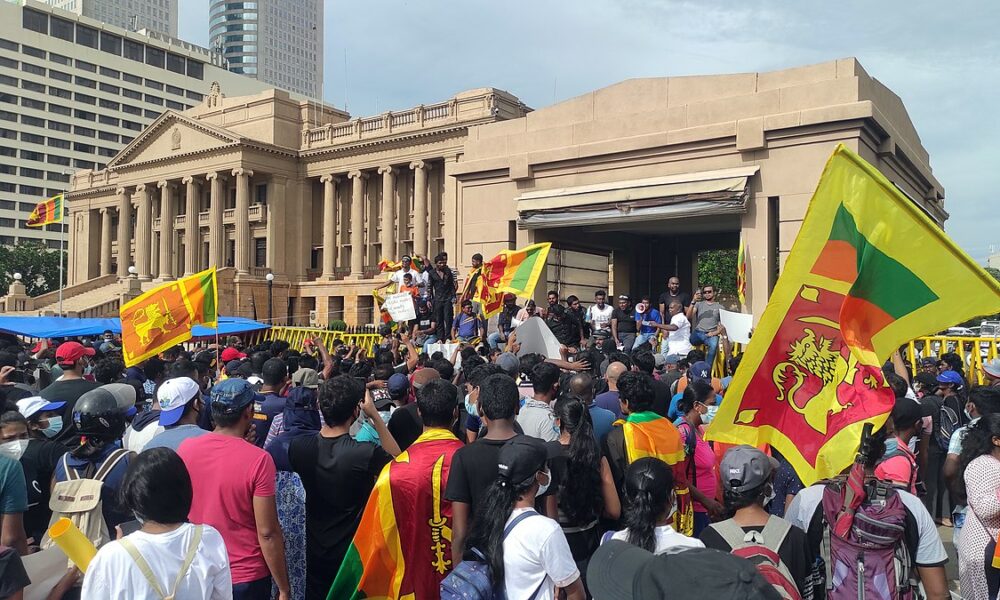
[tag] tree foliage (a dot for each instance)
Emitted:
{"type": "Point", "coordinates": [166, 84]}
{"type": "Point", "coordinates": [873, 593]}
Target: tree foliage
{"type": "Point", "coordinates": [38, 266]}
{"type": "Point", "coordinates": [718, 268]}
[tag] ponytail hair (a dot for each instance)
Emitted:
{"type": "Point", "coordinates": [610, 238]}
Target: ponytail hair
{"type": "Point", "coordinates": [648, 485]}
{"type": "Point", "coordinates": [979, 438]}
{"type": "Point", "coordinates": [491, 519]}
{"type": "Point", "coordinates": [579, 496]}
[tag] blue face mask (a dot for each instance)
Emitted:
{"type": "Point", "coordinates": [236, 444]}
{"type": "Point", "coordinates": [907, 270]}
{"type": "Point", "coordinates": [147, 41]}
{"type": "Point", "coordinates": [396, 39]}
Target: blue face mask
{"type": "Point", "coordinates": [55, 426]}
{"type": "Point", "coordinates": [709, 414]}
{"type": "Point", "coordinates": [470, 407]}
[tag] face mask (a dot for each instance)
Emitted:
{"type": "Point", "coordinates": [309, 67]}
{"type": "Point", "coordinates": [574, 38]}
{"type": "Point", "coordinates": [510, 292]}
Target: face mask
{"type": "Point", "coordinates": [709, 414]}
{"type": "Point", "coordinates": [55, 426]}
{"type": "Point", "coordinates": [544, 487]}
{"type": "Point", "coordinates": [13, 449]}
{"type": "Point", "coordinates": [470, 407]}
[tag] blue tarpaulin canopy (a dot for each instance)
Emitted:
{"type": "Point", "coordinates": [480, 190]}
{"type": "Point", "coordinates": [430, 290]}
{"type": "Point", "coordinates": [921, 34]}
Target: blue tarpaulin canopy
{"type": "Point", "coordinates": [50, 327]}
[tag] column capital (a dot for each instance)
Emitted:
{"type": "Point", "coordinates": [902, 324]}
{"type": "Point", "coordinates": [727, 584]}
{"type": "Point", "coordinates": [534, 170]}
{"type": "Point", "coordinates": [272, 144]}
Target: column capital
{"type": "Point", "coordinates": [329, 178]}
{"type": "Point", "coordinates": [386, 169]}
{"type": "Point", "coordinates": [357, 175]}
{"type": "Point", "coordinates": [241, 171]}
{"type": "Point", "coordinates": [190, 179]}
{"type": "Point", "coordinates": [211, 176]}
{"type": "Point", "coordinates": [165, 184]}
{"type": "Point", "coordinates": [420, 164]}
{"type": "Point", "coordinates": [121, 191]}
{"type": "Point", "coordinates": [102, 211]}
{"type": "Point", "coordinates": [140, 188]}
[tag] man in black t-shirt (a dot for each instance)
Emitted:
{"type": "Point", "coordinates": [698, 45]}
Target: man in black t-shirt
{"type": "Point", "coordinates": [672, 294]}
{"type": "Point", "coordinates": [623, 326]}
{"type": "Point", "coordinates": [474, 467]}
{"type": "Point", "coordinates": [441, 282]}
{"type": "Point", "coordinates": [338, 474]}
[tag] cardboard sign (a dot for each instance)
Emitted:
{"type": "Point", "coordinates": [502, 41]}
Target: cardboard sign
{"type": "Point", "coordinates": [738, 325]}
{"type": "Point", "coordinates": [400, 307]}
{"type": "Point", "coordinates": [447, 350]}
{"type": "Point", "coordinates": [535, 337]}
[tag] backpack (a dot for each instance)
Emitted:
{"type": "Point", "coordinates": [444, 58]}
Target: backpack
{"type": "Point", "coordinates": [761, 548]}
{"type": "Point", "coordinates": [471, 579]}
{"type": "Point", "coordinates": [79, 499]}
{"type": "Point", "coordinates": [873, 561]}
{"type": "Point", "coordinates": [949, 418]}
{"type": "Point", "coordinates": [147, 572]}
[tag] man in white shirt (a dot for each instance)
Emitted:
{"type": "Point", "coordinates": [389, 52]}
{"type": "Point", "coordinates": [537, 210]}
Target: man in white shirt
{"type": "Point", "coordinates": [397, 276]}
{"type": "Point", "coordinates": [678, 328]}
{"type": "Point", "coordinates": [599, 315]}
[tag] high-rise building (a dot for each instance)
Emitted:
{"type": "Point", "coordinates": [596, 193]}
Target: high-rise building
{"type": "Point", "coordinates": [277, 41]}
{"type": "Point", "coordinates": [74, 91]}
{"type": "Point", "coordinates": [133, 15]}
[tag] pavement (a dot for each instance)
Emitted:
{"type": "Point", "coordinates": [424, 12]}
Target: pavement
{"type": "Point", "coordinates": [951, 569]}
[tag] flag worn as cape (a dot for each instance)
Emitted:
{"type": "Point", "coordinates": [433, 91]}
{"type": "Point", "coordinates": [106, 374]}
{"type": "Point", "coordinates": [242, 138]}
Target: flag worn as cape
{"type": "Point", "coordinates": [648, 434]}
{"type": "Point", "coordinates": [47, 211]}
{"type": "Point", "coordinates": [163, 316]}
{"type": "Point", "coordinates": [402, 548]}
{"type": "Point", "coordinates": [868, 272]}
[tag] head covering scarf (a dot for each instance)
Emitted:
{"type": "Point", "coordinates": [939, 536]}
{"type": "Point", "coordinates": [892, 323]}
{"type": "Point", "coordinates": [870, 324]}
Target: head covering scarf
{"type": "Point", "coordinates": [301, 418]}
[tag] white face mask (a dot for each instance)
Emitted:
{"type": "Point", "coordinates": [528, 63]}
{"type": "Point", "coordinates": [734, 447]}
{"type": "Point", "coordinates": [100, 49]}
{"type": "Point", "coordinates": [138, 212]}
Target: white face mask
{"type": "Point", "coordinates": [13, 449]}
{"type": "Point", "coordinates": [709, 414]}
{"type": "Point", "coordinates": [544, 487]}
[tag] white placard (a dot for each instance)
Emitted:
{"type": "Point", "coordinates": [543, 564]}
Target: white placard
{"type": "Point", "coordinates": [45, 568]}
{"type": "Point", "coordinates": [447, 350]}
{"type": "Point", "coordinates": [535, 337]}
{"type": "Point", "coordinates": [738, 325]}
{"type": "Point", "coordinates": [400, 307]}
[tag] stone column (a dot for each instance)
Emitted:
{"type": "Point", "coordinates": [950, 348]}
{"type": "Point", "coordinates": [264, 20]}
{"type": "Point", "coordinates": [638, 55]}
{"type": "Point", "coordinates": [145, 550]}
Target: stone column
{"type": "Point", "coordinates": [167, 211]}
{"type": "Point", "coordinates": [216, 232]}
{"type": "Point", "coordinates": [105, 241]}
{"type": "Point", "coordinates": [420, 169]}
{"type": "Point", "coordinates": [357, 223]}
{"type": "Point", "coordinates": [329, 226]}
{"type": "Point", "coordinates": [388, 213]}
{"type": "Point", "coordinates": [242, 259]}
{"type": "Point", "coordinates": [124, 239]}
{"type": "Point", "coordinates": [192, 241]}
{"type": "Point", "coordinates": [144, 232]}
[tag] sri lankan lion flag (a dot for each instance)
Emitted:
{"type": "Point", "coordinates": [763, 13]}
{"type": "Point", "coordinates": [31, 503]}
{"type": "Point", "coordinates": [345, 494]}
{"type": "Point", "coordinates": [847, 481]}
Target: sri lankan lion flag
{"type": "Point", "coordinates": [648, 434]}
{"type": "Point", "coordinates": [402, 548]}
{"type": "Point", "coordinates": [741, 272]}
{"type": "Point", "coordinates": [868, 272]}
{"type": "Point", "coordinates": [47, 211]}
{"type": "Point", "coordinates": [164, 316]}
{"type": "Point", "coordinates": [513, 271]}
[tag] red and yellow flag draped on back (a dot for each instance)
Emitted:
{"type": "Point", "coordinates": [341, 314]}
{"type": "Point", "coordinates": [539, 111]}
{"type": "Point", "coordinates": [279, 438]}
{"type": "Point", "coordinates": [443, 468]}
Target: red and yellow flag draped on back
{"type": "Point", "coordinates": [868, 272]}
{"type": "Point", "coordinates": [402, 549]}
{"type": "Point", "coordinates": [163, 316]}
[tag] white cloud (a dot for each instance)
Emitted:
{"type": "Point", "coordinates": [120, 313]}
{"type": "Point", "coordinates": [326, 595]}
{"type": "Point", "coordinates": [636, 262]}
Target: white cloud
{"type": "Point", "coordinates": [939, 59]}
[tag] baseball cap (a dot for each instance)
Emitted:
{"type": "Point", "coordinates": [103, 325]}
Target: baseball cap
{"type": "Point", "coordinates": [35, 404]}
{"type": "Point", "coordinates": [231, 396]}
{"type": "Point", "coordinates": [700, 370]}
{"type": "Point", "coordinates": [950, 377]}
{"type": "Point", "coordinates": [520, 458]}
{"type": "Point", "coordinates": [398, 385]}
{"type": "Point", "coordinates": [623, 297]}
{"type": "Point", "coordinates": [231, 354]}
{"type": "Point", "coordinates": [173, 395]}
{"type": "Point", "coordinates": [745, 468]}
{"type": "Point", "coordinates": [125, 396]}
{"type": "Point", "coordinates": [510, 364]}
{"type": "Point", "coordinates": [671, 359]}
{"type": "Point", "coordinates": [992, 367]}
{"type": "Point", "coordinates": [929, 361]}
{"type": "Point", "coordinates": [232, 367]}
{"type": "Point", "coordinates": [69, 352]}
{"type": "Point", "coordinates": [621, 571]}
{"type": "Point", "coordinates": [659, 360]}
{"type": "Point", "coordinates": [307, 378]}
{"type": "Point", "coordinates": [907, 411]}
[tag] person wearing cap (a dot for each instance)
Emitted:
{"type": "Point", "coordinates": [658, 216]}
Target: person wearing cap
{"type": "Point", "coordinates": [532, 559]}
{"type": "Point", "coordinates": [929, 364]}
{"type": "Point", "coordinates": [699, 371]}
{"type": "Point", "coordinates": [234, 492]}
{"type": "Point", "coordinates": [73, 358]}
{"type": "Point", "coordinates": [180, 404]}
{"type": "Point", "coordinates": [303, 377]}
{"type": "Point", "coordinates": [623, 324]}
{"type": "Point", "coordinates": [748, 485]}
{"type": "Point", "coordinates": [404, 422]}
{"type": "Point", "coordinates": [418, 476]}
{"type": "Point", "coordinates": [505, 321]}
{"type": "Point", "coordinates": [704, 315]}
{"type": "Point", "coordinates": [621, 571]}
{"type": "Point", "coordinates": [899, 465]}
{"type": "Point", "coordinates": [983, 400]}
{"type": "Point", "coordinates": [338, 474]}
{"type": "Point", "coordinates": [991, 372]}
{"type": "Point", "coordinates": [949, 416]}
{"type": "Point", "coordinates": [39, 460]}
{"type": "Point", "coordinates": [923, 542]}
{"type": "Point", "coordinates": [230, 353]}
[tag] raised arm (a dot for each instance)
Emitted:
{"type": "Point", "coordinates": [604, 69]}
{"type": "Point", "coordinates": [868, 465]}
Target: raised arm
{"type": "Point", "coordinates": [325, 356]}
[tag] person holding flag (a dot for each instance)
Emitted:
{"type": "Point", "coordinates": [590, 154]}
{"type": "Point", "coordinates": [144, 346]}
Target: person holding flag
{"type": "Point", "coordinates": [403, 544]}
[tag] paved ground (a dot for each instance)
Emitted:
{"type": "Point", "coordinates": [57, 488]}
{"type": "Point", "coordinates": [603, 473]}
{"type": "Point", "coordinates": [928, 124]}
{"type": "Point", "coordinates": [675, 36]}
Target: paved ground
{"type": "Point", "coordinates": [952, 567]}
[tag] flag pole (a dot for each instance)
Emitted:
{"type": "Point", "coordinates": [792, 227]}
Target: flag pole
{"type": "Point", "coordinates": [62, 250]}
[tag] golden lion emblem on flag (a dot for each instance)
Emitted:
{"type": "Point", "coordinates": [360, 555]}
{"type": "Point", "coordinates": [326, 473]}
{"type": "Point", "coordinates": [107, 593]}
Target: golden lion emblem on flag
{"type": "Point", "coordinates": [811, 356]}
{"type": "Point", "coordinates": [149, 318]}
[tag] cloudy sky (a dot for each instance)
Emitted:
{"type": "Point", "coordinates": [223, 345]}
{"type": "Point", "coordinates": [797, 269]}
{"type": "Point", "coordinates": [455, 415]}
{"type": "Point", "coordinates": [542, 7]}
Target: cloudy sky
{"type": "Point", "coordinates": [939, 57]}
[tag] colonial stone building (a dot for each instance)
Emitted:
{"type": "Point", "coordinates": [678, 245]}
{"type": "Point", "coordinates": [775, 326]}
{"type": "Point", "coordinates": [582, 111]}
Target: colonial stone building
{"type": "Point", "coordinates": [629, 182]}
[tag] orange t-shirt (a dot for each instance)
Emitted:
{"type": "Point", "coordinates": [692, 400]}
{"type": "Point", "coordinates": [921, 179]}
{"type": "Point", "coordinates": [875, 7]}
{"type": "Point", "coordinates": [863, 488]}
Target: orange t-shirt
{"type": "Point", "coordinates": [412, 289]}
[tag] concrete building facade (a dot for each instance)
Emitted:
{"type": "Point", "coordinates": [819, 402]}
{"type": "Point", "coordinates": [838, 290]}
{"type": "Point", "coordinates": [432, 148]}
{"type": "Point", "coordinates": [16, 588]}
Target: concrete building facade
{"type": "Point", "coordinates": [131, 15]}
{"type": "Point", "coordinates": [279, 42]}
{"type": "Point", "coordinates": [74, 92]}
{"type": "Point", "coordinates": [628, 182]}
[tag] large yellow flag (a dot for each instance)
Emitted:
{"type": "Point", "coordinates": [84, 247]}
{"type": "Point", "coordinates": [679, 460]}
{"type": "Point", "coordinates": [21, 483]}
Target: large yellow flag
{"type": "Point", "coordinates": [868, 272]}
{"type": "Point", "coordinates": [163, 316]}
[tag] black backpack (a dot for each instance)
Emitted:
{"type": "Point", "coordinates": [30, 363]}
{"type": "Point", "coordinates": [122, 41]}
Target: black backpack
{"type": "Point", "coordinates": [950, 416]}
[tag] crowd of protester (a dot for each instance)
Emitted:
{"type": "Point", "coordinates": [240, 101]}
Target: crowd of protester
{"type": "Point", "coordinates": [233, 471]}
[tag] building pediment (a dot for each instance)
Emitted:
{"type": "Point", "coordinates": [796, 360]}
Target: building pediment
{"type": "Point", "coordinates": [172, 135]}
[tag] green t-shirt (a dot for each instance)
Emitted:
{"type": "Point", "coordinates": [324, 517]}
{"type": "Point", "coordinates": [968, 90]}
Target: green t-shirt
{"type": "Point", "coordinates": [13, 491]}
